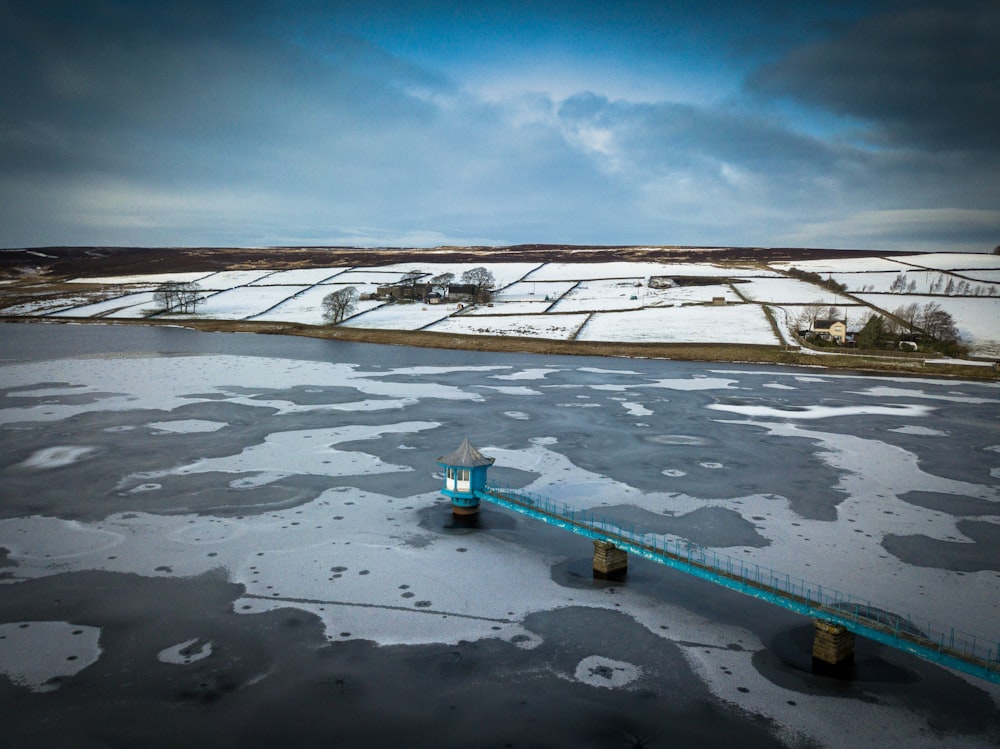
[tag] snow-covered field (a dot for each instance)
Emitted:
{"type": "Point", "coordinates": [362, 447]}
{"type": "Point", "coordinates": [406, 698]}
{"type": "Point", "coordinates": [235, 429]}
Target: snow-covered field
{"type": "Point", "coordinates": [953, 261]}
{"type": "Point", "coordinates": [736, 323]}
{"type": "Point", "coordinates": [412, 316]}
{"type": "Point", "coordinates": [624, 305]}
{"type": "Point", "coordinates": [977, 318]}
{"type": "Point", "coordinates": [557, 327]}
{"type": "Point", "coordinates": [246, 301]}
{"type": "Point", "coordinates": [790, 291]}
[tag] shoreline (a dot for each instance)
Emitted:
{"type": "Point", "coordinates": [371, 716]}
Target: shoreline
{"type": "Point", "coordinates": [703, 352]}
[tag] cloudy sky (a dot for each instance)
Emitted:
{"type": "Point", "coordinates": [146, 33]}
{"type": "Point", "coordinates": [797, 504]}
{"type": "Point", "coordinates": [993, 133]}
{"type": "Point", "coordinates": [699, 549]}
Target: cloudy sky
{"type": "Point", "coordinates": [870, 124]}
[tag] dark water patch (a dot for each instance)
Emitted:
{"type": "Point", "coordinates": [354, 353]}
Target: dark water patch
{"type": "Point", "coordinates": [439, 519]}
{"type": "Point", "coordinates": [952, 504]}
{"type": "Point", "coordinates": [949, 703]}
{"type": "Point", "coordinates": [306, 395]}
{"type": "Point", "coordinates": [578, 573]}
{"type": "Point", "coordinates": [705, 526]}
{"type": "Point", "coordinates": [28, 397]}
{"type": "Point", "coordinates": [957, 556]}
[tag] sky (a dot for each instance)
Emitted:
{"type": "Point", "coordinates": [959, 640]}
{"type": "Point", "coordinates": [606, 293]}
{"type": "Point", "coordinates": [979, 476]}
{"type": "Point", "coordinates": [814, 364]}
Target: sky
{"type": "Point", "coordinates": [842, 124]}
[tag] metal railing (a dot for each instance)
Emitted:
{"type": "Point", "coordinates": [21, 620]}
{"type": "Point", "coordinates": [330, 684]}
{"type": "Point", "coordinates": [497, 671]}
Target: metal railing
{"type": "Point", "coordinates": [967, 652]}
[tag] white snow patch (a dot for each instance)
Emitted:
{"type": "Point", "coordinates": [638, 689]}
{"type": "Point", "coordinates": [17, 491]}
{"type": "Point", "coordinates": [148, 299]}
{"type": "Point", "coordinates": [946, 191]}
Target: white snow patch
{"type": "Point", "coordinates": [185, 652]}
{"type": "Point", "coordinates": [32, 654]}
{"type": "Point", "coordinates": [187, 426]}
{"type": "Point", "coordinates": [823, 412]}
{"type": "Point", "coordinates": [598, 671]}
{"type": "Point", "coordinates": [918, 430]}
{"type": "Point", "coordinates": [56, 456]}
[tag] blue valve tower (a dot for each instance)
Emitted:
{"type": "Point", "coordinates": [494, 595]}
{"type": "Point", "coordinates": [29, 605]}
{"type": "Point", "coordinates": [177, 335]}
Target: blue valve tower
{"type": "Point", "coordinates": [464, 475]}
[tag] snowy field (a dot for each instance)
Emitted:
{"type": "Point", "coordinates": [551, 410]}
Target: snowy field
{"type": "Point", "coordinates": [625, 308]}
{"type": "Point", "coordinates": [954, 261]}
{"type": "Point", "coordinates": [412, 316]}
{"type": "Point", "coordinates": [246, 301]}
{"type": "Point", "coordinates": [310, 488]}
{"type": "Point", "coordinates": [789, 291]}
{"type": "Point", "coordinates": [977, 318]}
{"type": "Point", "coordinates": [526, 291]}
{"type": "Point", "coordinates": [557, 327]}
{"type": "Point", "coordinates": [300, 277]}
{"type": "Point", "coordinates": [919, 282]}
{"type": "Point", "coordinates": [741, 323]}
{"type": "Point", "coordinates": [859, 264]}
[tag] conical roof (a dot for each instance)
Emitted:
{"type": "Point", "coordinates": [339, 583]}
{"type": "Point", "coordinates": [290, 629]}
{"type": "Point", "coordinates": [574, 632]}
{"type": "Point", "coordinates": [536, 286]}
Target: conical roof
{"type": "Point", "coordinates": [466, 456]}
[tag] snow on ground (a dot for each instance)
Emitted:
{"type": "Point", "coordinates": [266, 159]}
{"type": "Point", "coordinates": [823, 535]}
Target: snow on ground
{"type": "Point", "coordinates": [558, 327]}
{"type": "Point", "coordinates": [734, 323]}
{"type": "Point", "coordinates": [504, 273]}
{"type": "Point", "coordinates": [36, 654]}
{"type": "Point", "coordinates": [977, 318]}
{"type": "Point", "coordinates": [412, 316]}
{"type": "Point", "coordinates": [597, 295]}
{"type": "Point", "coordinates": [526, 291]}
{"type": "Point", "coordinates": [987, 276]}
{"type": "Point", "coordinates": [300, 277]}
{"type": "Point", "coordinates": [144, 278]}
{"type": "Point", "coordinates": [708, 270]}
{"type": "Point", "coordinates": [954, 260]}
{"type": "Point", "coordinates": [372, 277]}
{"type": "Point", "coordinates": [860, 264]}
{"type": "Point", "coordinates": [698, 294]}
{"type": "Point", "coordinates": [923, 281]}
{"type": "Point", "coordinates": [508, 308]}
{"type": "Point", "coordinates": [307, 307]}
{"type": "Point", "coordinates": [790, 291]}
{"type": "Point", "coordinates": [245, 301]}
{"type": "Point", "coordinates": [48, 306]}
{"type": "Point", "coordinates": [593, 271]}
{"type": "Point", "coordinates": [129, 305]}
{"type": "Point", "coordinates": [230, 279]}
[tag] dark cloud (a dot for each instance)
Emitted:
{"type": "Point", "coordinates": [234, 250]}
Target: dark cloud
{"type": "Point", "coordinates": [919, 77]}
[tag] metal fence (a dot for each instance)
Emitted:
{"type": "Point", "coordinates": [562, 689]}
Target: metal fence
{"type": "Point", "coordinates": [785, 590]}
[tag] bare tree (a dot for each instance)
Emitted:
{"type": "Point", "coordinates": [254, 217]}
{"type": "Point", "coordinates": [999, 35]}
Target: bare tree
{"type": "Point", "coordinates": [410, 278]}
{"type": "Point", "coordinates": [178, 297]}
{"type": "Point", "coordinates": [908, 315]}
{"type": "Point", "coordinates": [441, 282]}
{"type": "Point", "coordinates": [937, 324]}
{"type": "Point", "coordinates": [482, 279]}
{"type": "Point", "coordinates": [339, 304]}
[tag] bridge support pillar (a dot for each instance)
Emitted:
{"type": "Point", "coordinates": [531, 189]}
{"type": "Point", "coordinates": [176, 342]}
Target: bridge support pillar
{"type": "Point", "coordinates": [833, 647]}
{"type": "Point", "coordinates": [610, 562]}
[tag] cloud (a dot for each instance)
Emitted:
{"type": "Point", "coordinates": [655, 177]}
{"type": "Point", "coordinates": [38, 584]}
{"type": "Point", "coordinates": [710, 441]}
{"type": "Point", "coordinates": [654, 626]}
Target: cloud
{"type": "Point", "coordinates": [273, 123]}
{"type": "Point", "coordinates": [923, 229]}
{"type": "Point", "coordinates": [923, 77]}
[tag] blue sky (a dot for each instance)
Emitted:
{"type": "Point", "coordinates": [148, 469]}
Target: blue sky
{"type": "Point", "coordinates": [825, 124]}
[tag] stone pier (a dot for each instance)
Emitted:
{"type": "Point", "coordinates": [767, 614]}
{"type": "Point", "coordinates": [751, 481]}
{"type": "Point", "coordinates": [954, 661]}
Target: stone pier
{"type": "Point", "coordinates": [833, 647]}
{"type": "Point", "coordinates": [610, 562]}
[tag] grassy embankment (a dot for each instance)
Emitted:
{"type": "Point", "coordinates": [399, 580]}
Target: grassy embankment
{"type": "Point", "coordinates": [709, 352]}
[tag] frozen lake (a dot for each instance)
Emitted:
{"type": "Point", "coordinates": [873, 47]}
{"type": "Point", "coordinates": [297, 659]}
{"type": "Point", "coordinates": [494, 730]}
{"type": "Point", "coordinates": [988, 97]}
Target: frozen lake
{"type": "Point", "coordinates": [239, 539]}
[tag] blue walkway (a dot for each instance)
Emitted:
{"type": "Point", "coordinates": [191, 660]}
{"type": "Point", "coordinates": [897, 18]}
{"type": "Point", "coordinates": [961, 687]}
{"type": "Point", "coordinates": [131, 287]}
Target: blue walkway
{"type": "Point", "coordinates": [963, 652]}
